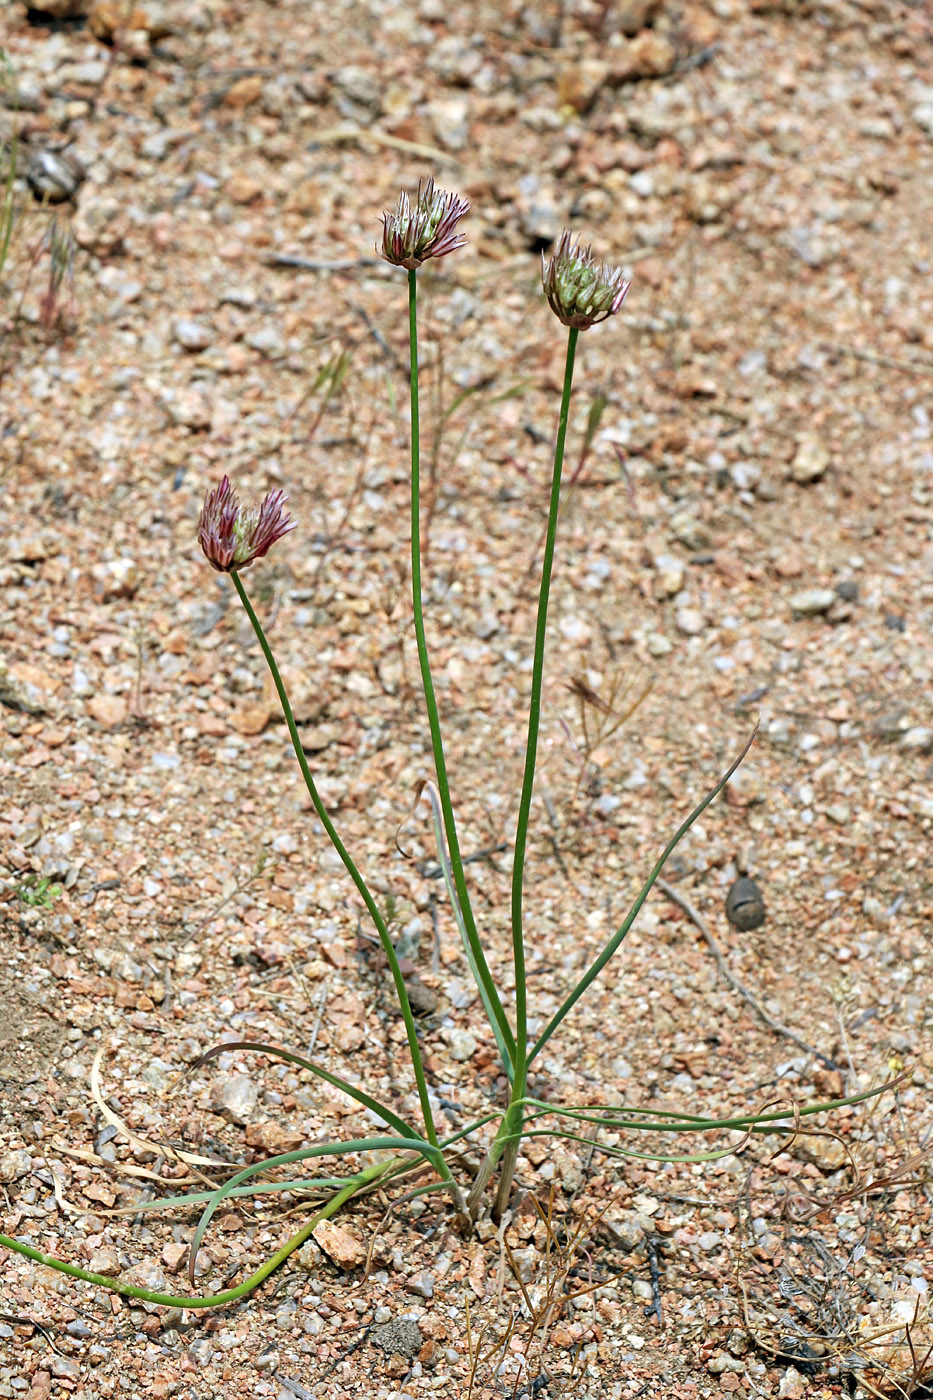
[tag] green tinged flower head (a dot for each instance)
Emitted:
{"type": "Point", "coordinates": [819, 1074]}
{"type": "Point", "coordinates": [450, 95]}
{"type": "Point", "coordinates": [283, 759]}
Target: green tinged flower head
{"type": "Point", "coordinates": [429, 230]}
{"type": "Point", "coordinates": [581, 291]}
{"type": "Point", "coordinates": [232, 537]}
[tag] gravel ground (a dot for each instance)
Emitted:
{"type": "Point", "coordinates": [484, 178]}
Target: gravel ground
{"type": "Point", "coordinates": [748, 539]}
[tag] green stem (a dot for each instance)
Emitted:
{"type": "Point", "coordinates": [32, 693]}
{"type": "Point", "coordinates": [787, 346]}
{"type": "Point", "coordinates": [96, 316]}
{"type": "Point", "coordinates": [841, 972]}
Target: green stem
{"type": "Point", "coordinates": [440, 764]}
{"type": "Point", "coordinates": [508, 1139]}
{"type": "Point", "coordinates": [229, 1295]}
{"type": "Point", "coordinates": [371, 906]}
{"type": "Point", "coordinates": [534, 724]}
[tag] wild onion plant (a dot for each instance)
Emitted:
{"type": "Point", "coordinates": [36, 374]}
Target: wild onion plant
{"type": "Point", "coordinates": [582, 293]}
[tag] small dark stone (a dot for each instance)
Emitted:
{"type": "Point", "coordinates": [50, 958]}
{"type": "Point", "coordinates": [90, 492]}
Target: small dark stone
{"type": "Point", "coordinates": [745, 906]}
{"type": "Point", "coordinates": [894, 623]}
{"type": "Point", "coordinates": [807, 1359]}
{"type": "Point", "coordinates": [847, 590]}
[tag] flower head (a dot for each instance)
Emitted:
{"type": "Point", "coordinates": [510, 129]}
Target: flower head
{"type": "Point", "coordinates": [581, 291]}
{"type": "Point", "coordinates": [429, 230]}
{"type": "Point", "coordinates": [232, 537]}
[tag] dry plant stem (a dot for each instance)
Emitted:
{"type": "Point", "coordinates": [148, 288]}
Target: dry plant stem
{"type": "Point", "coordinates": [371, 906]}
{"type": "Point", "coordinates": [440, 764]}
{"type": "Point", "coordinates": [738, 986]}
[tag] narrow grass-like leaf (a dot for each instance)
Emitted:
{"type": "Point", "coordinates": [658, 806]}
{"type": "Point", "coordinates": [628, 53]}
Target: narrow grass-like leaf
{"type": "Point", "coordinates": [608, 952]}
{"type": "Point", "coordinates": [302, 1154]}
{"type": "Point", "coordinates": [381, 1110]}
{"type": "Point", "coordinates": [672, 1122]}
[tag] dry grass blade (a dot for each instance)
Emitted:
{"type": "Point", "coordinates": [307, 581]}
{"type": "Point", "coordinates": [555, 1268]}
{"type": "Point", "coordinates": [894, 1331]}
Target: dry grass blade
{"type": "Point", "coordinates": [160, 1149]}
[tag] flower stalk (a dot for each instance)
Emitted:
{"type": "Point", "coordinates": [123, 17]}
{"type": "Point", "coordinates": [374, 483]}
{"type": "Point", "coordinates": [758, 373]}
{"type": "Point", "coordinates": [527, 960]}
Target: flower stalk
{"type": "Point", "coordinates": [350, 866]}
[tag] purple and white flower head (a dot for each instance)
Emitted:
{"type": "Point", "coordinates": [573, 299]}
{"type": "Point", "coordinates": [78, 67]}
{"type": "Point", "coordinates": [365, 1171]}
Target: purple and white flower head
{"type": "Point", "coordinates": [428, 230]}
{"type": "Point", "coordinates": [580, 291]}
{"type": "Point", "coordinates": [232, 537]}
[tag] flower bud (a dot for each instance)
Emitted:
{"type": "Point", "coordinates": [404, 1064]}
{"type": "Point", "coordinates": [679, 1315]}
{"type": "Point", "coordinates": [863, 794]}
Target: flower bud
{"type": "Point", "coordinates": [581, 291]}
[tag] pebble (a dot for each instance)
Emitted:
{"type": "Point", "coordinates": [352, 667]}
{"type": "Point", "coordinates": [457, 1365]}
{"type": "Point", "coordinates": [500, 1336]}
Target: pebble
{"type": "Point", "coordinates": [668, 576]}
{"type": "Point", "coordinates": [340, 1244]}
{"type": "Point", "coordinates": [235, 1097]}
{"type": "Point", "coordinates": [54, 176]}
{"type": "Point", "coordinates": [14, 1164]}
{"type": "Point", "coordinates": [745, 908]}
{"type": "Point", "coordinates": [100, 224]}
{"type": "Point", "coordinates": [628, 1233]}
{"type": "Point", "coordinates": [634, 15]}
{"type": "Point", "coordinates": [658, 644]}
{"type": "Point", "coordinates": [191, 335]}
{"type": "Point", "coordinates": [720, 1363]}
{"type": "Point", "coordinates": [450, 122]}
{"type": "Point", "coordinates": [268, 340]}
{"type": "Point", "coordinates": [792, 1385]}
{"type": "Point", "coordinates": [810, 461]}
{"type": "Point", "coordinates": [690, 621]}
{"type": "Point", "coordinates": [422, 1284]}
{"type": "Point", "coordinates": [108, 710]}
{"type": "Point", "coordinates": [919, 737]}
{"type": "Point", "coordinates": [648, 55]}
{"type": "Point", "coordinates": [810, 602]}
{"type": "Point", "coordinates": [60, 9]}
{"type": "Point", "coordinates": [461, 1044]}
{"type": "Point", "coordinates": [575, 630]}
{"type": "Point", "coordinates": [359, 85]}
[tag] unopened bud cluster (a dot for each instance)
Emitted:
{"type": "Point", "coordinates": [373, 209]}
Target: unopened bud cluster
{"type": "Point", "coordinates": [580, 291]}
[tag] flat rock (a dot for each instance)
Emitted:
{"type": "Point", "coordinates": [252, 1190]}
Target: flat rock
{"type": "Point", "coordinates": [340, 1244]}
{"type": "Point", "coordinates": [108, 710]}
{"type": "Point", "coordinates": [809, 602]}
{"type": "Point", "coordinates": [235, 1097]}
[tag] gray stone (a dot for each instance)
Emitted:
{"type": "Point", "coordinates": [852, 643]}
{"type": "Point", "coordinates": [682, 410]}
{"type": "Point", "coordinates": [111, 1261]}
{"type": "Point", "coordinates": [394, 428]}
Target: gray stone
{"type": "Point", "coordinates": [401, 1338]}
{"type": "Point", "coordinates": [268, 340]}
{"type": "Point", "coordinates": [236, 1097]}
{"type": "Point", "coordinates": [450, 121]}
{"type": "Point", "coordinates": [191, 335]}
{"type": "Point", "coordinates": [422, 1284]}
{"type": "Point", "coordinates": [461, 1044]}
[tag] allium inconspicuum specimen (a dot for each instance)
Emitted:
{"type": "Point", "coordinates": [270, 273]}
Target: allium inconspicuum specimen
{"type": "Point", "coordinates": [429, 230]}
{"type": "Point", "coordinates": [581, 291]}
{"type": "Point", "coordinates": [232, 537]}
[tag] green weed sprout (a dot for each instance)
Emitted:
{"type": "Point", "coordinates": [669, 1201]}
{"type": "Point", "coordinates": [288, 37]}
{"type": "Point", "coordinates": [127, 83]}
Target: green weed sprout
{"type": "Point", "coordinates": [38, 893]}
{"type": "Point", "coordinates": [582, 293]}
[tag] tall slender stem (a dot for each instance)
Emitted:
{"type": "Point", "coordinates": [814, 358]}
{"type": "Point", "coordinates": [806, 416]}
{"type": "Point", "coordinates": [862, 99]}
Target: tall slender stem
{"type": "Point", "coordinates": [508, 1138]}
{"type": "Point", "coordinates": [534, 724]}
{"type": "Point", "coordinates": [352, 871]}
{"type": "Point", "coordinates": [440, 764]}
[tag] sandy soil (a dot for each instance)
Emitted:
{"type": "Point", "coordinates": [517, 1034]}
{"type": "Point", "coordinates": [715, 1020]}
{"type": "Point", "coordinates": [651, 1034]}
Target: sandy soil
{"type": "Point", "coordinates": [747, 540]}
